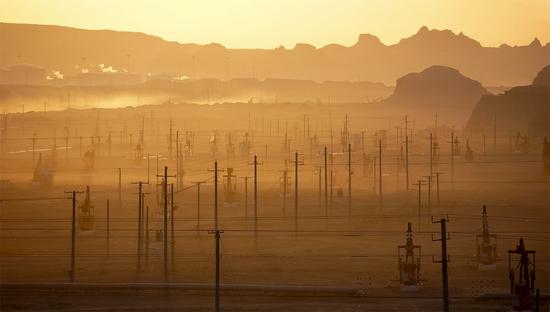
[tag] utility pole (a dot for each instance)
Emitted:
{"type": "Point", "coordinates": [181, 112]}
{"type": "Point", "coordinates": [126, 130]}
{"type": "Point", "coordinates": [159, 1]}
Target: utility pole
{"type": "Point", "coordinates": [177, 159]}
{"type": "Point", "coordinates": [420, 183]}
{"type": "Point", "coordinates": [296, 164]}
{"type": "Point", "coordinates": [217, 235]}
{"type": "Point", "coordinates": [437, 174]}
{"type": "Point", "coordinates": [108, 230]}
{"type": "Point", "coordinates": [285, 190]}
{"type": "Point", "coordinates": [495, 135]}
{"type": "Point", "coordinates": [119, 189]}
{"type": "Point", "coordinates": [319, 189]}
{"type": "Point", "coordinates": [326, 185]}
{"type": "Point", "coordinates": [33, 144]}
{"type": "Point", "coordinates": [350, 172]}
{"type": "Point", "coordinates": [172, 241]}
{"type": "Point", "coordinates": [429, 184]}
{"type": "Point", "coordinates": [216, 169]}
{"type": "Point", "coordinates": [170, 139]}
{"type": "Point", "coordinates": [255, 164]}
{"type": "Point", "coordinates": [198, 183]}
{"type": "Point", "coordinates": [380, 174]}
{"type": "Point", "coordinates": [165, 231]}
{"type": "Point", "coordinates": [140, 225]}
{"type": "Point", "coordinates": [73, 232]}
{"type": "Point", "coordinates": [147, 236]}
{"type": "Point", "coordinates": [452, 160]}
{"type": "Point", "coordinates": [245, 195]}
{"type": "Point", "coordinates": [431, 155]}
{"type": "Point", "coordinates": [148, 167]}
{"type": "Point", "coordinates": [407, 158]}
{"type": "Point", "coordinates": [444, 261]}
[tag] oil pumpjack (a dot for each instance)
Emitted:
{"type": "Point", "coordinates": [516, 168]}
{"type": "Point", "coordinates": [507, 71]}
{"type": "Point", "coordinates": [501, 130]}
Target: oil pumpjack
{"type": "Point", "coordinates": [409, 263]}
{"type": "Point", "coordinates": [469, 154]}
{"type": "Point", "coordinates": [86, 214]}
{"type": "Point", "coordinates": [43, 172]}
{"type": "Point", "coordinates": [230, 196]}
{"type": "Point", "coordinates": [285, 183]}
{"type": "Point", "coordinates": [522, 279]}
{"type": "Point", "coordinates": [486, 246]}
{"type": "Point", "coordinates": [189, 142]}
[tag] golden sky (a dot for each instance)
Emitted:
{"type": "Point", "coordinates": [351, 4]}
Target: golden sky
{"type": "Point", "coordinates": [267, 24]}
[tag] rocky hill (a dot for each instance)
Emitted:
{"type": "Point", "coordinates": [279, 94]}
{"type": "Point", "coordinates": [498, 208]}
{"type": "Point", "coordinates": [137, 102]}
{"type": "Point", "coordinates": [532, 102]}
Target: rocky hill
{"type": "Point", "coordinates": [436, 88]}
{"type": "Point", "coordinates": [525, 109]}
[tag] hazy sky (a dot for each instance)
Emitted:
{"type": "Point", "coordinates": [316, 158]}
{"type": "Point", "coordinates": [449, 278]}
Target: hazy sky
{"type": "Point", "coordinates": [267, 24]}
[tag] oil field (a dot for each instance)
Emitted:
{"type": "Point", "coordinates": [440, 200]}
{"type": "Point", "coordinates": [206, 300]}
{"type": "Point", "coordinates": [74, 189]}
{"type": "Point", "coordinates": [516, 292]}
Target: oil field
{"type": "Point", "coordinates": [272, 193]}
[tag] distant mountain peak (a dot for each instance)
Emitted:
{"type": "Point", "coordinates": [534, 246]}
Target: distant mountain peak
{"type": "Point", "coordinates": [439, 37]}
{"type": "Point", "coordinates": [535, 43]}
{"type": "Point", "coordinates": [368, 41]}
{"type": "Point", "coordinates": [423, 30]}
{"type": "Point", "coordinates": [436, 69]}
{"type": "Point", "coordinates": [304, 47]}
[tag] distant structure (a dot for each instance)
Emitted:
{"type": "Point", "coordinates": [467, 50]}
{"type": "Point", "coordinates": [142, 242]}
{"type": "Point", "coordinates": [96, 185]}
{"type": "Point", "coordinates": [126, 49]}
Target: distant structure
{"type": "Point", "coordinates": [245, 146]}
{"type": "Point", "coordinates": [230, 195]}
{"type": "Point", "coordinates": [43, 173]}
{"type": "Point", "coordinates": [521, 143]}
{"type": "Point", "coordinates": [189, 143]}
{"type": "Point", "coordinates": [86, 217]}
{"type": "Point", "coordinates": [214, 144]}
{"type": "Point", "coordinates": [546, 157]}
{"type": "Point", "coordinates": [230, 147]}
{"type": "Point", "coordinates": [409, 263]}
{"type": "Point", "coordinates": [486, 246]}
{"type": "Point", "coordinates": [89, 160]}
{"type": "Point", "coordinates": [138, 153]}
{"type": "Point", "coordinates": [469, 153]}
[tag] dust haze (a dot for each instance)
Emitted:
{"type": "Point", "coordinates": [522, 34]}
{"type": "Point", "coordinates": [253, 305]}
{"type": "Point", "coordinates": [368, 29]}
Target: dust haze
{"type": "Point", "coordinates": [142, 174]}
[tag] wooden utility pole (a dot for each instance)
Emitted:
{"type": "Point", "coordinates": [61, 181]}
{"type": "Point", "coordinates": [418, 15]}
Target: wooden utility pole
{"type": "Point", "coordinates": [407, 183]}
{"type": "Point", "coordinates": [319, 189]}
{"type": "Point", "coordinates": [147, 236]}
{"type": "Point", "coordinates": [296, 164]}
{"type": "Point", "coordinates": [245, 195]}
{"type": "Point", "coordinates": [73, 232]}
{"type": "Point", "coordinates": [444, 262]}
{"type": "Point", "coordinates": [165, 231]}
{"type": "Point", "coordinates": [452, 160]}
{"type": "Point", "coordinates": [350, 172]}
{"type": "Point", "coordinates": [429, 184]}
{"type": "Point", "coordinates": [172, 240]}
{"type": "Point", "coordinates": [431, 155]}
{"type": "Point", "coordinates": [108, 230]}
{"type": "Point", "coordinates": [119, 189]}
{"type": "Point", "coordinates": [198, 183]}
{"type": "Point", "coordinates": [140, 224]}
{"type": "Point", "coordinates": [420, 183]}
{"type": "Point", "coordinates": [495, 134]}
{"type": "Point", "coordinates": [217, 235]}
{"type": "Point", "coordinates": [380, 174]}
{"type": "Point", "coordinates": [437, 174]}
{"type": "Point", "coordinates": [285, 189]}
{"type": "Point", "coordinates": [255, 164]}
{"type": "Point", "coordinates": [33, 144]}
{"type": "Point", "coordinates": [326, 185]}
